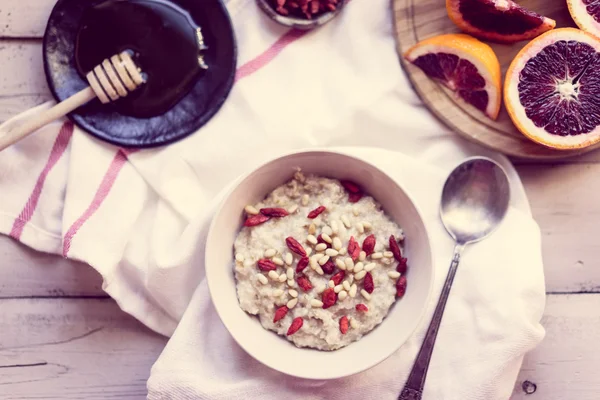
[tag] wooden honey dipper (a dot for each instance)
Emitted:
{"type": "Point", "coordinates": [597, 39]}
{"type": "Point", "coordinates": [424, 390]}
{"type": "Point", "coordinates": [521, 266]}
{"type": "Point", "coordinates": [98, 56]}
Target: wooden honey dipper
{"type": "Point", "coordinates": [109, 81]}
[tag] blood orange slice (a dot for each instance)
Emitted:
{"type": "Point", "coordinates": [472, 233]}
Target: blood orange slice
{"type": "Point", "coordinates": [497, 20]}
{"type": "Point", "coordinates": [464, 65]}
{"type": "Point", "coordinates": [586, 14]}
{"type": "Point", "coordinates": [552, 89]}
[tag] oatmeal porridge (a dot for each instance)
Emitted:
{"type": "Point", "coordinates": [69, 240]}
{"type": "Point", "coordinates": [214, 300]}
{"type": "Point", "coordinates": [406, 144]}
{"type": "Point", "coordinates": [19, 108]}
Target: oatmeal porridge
{"type": "Point", "coordinates": [319, 262]}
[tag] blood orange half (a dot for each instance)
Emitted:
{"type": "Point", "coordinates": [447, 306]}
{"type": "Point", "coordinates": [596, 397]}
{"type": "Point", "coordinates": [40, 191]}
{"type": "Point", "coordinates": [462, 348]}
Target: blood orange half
{"type": "Point", "coordinates": [586, 14]}
{"type": "Point", "coordinates": [497, 20]}
{"type": "Point", "coordinates": [464, 65]}
{"type": "Point", "coordinates": [552, 89]}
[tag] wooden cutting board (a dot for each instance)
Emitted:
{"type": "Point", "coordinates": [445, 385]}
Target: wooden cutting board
{"type": "Point", "coordinates": [416, 20]}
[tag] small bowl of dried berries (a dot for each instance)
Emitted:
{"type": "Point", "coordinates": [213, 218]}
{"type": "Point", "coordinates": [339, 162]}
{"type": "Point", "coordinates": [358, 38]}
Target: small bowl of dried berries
{"type": "Point", "coordinates": [301, 14]}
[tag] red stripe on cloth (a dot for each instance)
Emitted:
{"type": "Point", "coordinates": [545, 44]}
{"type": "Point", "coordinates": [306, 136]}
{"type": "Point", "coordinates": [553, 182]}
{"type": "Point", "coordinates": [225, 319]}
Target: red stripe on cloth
{"type": "Point", "coordinates": [58, 149]}
{"type": "Point", "coordinates": [103, 190]}
{"type": "Point", "coordinates": [268, 55]}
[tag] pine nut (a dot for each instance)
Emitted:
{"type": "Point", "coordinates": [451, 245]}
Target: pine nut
{"type": "Point", "coordinates": [346, 285]}
{"type": "Point", "coordinates": [239, 257]}
{"type": "Point", "coordinates": [327, 230]}
{"type": "Point", "coordinates": [388, 254]}
{"type": "Point", "coordinates": [367, 225]}
{"type": "Point", "coordinates": [251, 210]}
{"type": "Point", "coordinates": [248, 263]}
{"type": "Point", "coordinates": [292, 303]}
{"type": "Point", "coordinates": [355, 211]}
{"type": "Point", "coordinates": [277, 292]}
{"type": "Point", "coordinates": [269, 253]}
{"type": "Point", "coordinates": [343, 251]}
{"type": "Point", "coordinates": [334, 226]}
{"type": "Point", "coordinates": [337, 243]}
{"type": "Point", "coordinates": [326, 237]}
{"type": "Point", "coordinates": [319, 270]}
{"type": "Point", "coordinates": [323, 260]}
{"type": "Point", "coordinates": [274, 275]}
{"type": "Point", "coordinates": [345, 221]}
{"type": "Point", "coordinates": [291, 283]}
{"type": "Point", "coordinates": [277, 261]}
{"type": "Point", "coordinates": [365, 294]}
{"type": "Point", "coordinates": [311, 239]}
{"type": "Point", "coordinates": [308, 252]}
{"type": "Point", "coordinates": [320, 289]}
{"type": "Point", "coordinates": [331, 284]}
{"type": "Point", "coordinates": [358, 267]}
{"type": "Point", "coordinates": [342, 295]}
{"type": "Point", "coordinates": [321, 247]}
{"type": "Point", "coordinates": [350, 279]}
{"type": "Point", "coordinates": [352, 291]}
{"type": "Point", "coordinates": [376, 256]}
{"type": "Point", "coordinates": [312, 229]}
{"type": "Point", "coordinates": [370, 266]}
{"type": "Point", "coordinates": [340, 264]}
{"type": "Point", "coordinates": [331, 252]}
{"type": "Point", "coordinates": [349, 264]}
{"type": "Point", "coordinates": [262, 279]}
{"type": "Point", "coordinates": [305, 199]}
{"type": "Point", "coordinates": [362, 256]}
{"type": "Point", "coordinates": [394, 274]}
{"type": "Point", "coordinates": [337, 288]}
{"type": "Point", "coordinates": [387, 261]}
{"type": "Point", "coordinates": [314, 303]}
{"type": "Point", "coordinates": [293, 209]}
{"type": "Point", "coordinates": [293, 293]}
{"type": "Point", "coordinates": [289, 258]}
{"type": "Point", "coordinates": [283, 277]}
{"type": "Point", "coordinates": [316, 257]}
{"type": "Point", "coordinates": [360, 228]}
{"type": "Point", "coordinates": [353, 323]}
{"type": "Point", "coordinates": [360, 275]}
{"type": "Point", "coordinates": [289, 273]}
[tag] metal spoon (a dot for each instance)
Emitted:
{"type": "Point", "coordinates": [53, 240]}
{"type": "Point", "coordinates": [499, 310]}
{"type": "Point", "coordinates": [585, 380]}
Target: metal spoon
{"type": "Point", "coordinates": [474, 202]}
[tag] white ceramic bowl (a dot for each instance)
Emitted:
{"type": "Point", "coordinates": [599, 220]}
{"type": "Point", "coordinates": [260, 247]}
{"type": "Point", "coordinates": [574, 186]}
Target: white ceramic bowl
{"type": "Point", "coordinates": [277, 352]}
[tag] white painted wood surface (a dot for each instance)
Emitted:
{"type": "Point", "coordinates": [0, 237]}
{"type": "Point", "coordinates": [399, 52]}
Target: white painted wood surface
{"type": "Point", "coordinates": [61, 337]}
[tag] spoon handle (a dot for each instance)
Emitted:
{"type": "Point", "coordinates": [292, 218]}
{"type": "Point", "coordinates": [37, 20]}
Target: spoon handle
{"type": "Point", "coordinates": [413, 389]}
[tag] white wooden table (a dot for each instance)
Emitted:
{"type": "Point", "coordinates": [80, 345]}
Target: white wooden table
{"type": "Point", "coordinates": [62, 337]}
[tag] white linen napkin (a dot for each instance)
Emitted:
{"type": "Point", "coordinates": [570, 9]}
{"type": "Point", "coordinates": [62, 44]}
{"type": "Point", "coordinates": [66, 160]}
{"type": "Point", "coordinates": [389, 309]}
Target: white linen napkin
{"type": "Point", "coordinates": [140, 217]}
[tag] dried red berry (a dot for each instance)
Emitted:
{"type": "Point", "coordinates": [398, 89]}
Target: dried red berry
{"type": "Point", "coordinates": [314, 7]}
{"type": "Point", "coordinates": [316, 212]}
{"type": "Point", "coordinates": [395, 249]}
{"type": "Point", "coordinates": [295, 246]}
{"type": "Point", "coordinates": [339, 277]}
{"type": "Point", "coordinates": [401, 286]}
{"type": "Point", "coordinates": [369, 244]}
{"type": "Point", "coordinates": [368, 283]}
{"type": "Point", "coordinates": [280, 313]}
{"type": "Point", "coordinates": [362, 307]}
{"type": "Point", "coordinates": [329, 297]}
{"type": "Point", "coordinates": [328, 267]}
{"type": "Point", "coordinates": [350, 186]}
{"type": "Point", "coordinates": [266, 265]}
{"type": "Point", "coordinates": [295, 326]}
{"type": "Point", "coordinates": [402, 266]}
{"type": "Point", "coordinates": [302, 263]}
{"type": "Point", "coordinates": [344, 325]}
{"type": "Point", "coordinates": [257, 219]}
{"type": "Point", "coordinates": [274, 212]}
{"type": "Point", "coordinates": [304, 283]}
{"type": "Point", "coordinates": [354, 197]}
{"type": "Point", "coordinates": [353, 249]}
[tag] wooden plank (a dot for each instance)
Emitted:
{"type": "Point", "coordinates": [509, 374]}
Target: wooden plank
{"type": "Point", "coordinates": [566, 204]}
{"type": "Point", "coordinates": [73, 349]}
{"type": "Point", "coordinates": [24, 18]}
{"type": "Point", "coordinates": [564, 365]}
{"type": "Point", "coordinates": [27, 273]}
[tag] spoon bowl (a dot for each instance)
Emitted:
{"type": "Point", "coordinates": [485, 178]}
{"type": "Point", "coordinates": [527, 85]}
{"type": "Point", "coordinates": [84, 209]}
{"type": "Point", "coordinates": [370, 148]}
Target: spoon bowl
{"type": "Point", "coordinates": [474, 200]}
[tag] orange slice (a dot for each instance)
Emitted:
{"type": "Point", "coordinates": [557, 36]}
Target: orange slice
{"type": "Point", "coordinates": [465, 65]}
{"type": "Point", "coordinates": [552, 89]}
{"type": "Point", "coordinates": [497, 20]}
{"type": "Point", "coordinates": [586, 14]}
